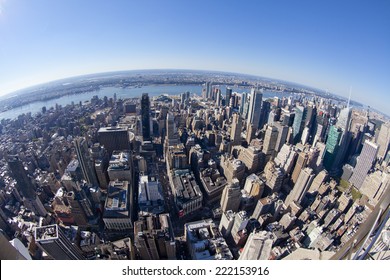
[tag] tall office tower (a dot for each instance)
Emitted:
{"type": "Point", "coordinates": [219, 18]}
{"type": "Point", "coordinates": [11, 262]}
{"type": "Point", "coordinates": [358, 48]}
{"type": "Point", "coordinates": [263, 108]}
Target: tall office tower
{"type": "Point", "coordinates": [265, 205]}
{"type": "Point", "coordinates": [301, 186]}
{"type": "Point", "coordinates": [254, 186]}
{"type": "Point", "coordinates": [101, 172]}
{"type": "Point", "coordinates": [271, 135]}
{"type": "Point", "coordinates": [12, 250]}
{"type": "Point", "coordinates": [274, 177]}
{"type": "Point", "coordinates": [226, 223]}
{"type": "Point", "coordinates": [244, 97]}
{"type": "Point", "coordinates": [145, 116]}
{"type": "Point", "coordinates": [250, 133]}
{"type": "Point", "coordinates": [232, 168]}
{"type": "Point", "coordinates": [301, 163]}
{"type": "Point", "coordinates": [170, 126]}
{"type": "Point", "coordinates": [85, 161]}
{"type": "Point", "coordinates": [255, 107]}
{"type": "Point", "coordinates": [218, 100]}
{"type": "Point", "coordinates": [114, 138]}
{"type": "Point", "coordinates": [231, 197]}
{"type": "Point", "coordinates": [118, 207]}
{"type": "Point", "coordinates": [240, 221]}
{"type": "Point", "coordinates": [228, 96]}
{"type": "Point", "coordinates": [313, 155]}
{"type": "Point", "coordinates": [299, 123]}
{"type": "Point", "coordinates": [24, 183]}
{"type": "Point", "coordinates": [204, 241]}
{"type": "Point", "coordinates": [282, 136]}
{"type": "Point", "coordinates": [154, 238]}
{"type": "Point", "coordinates": [383, 140]}
{"type": "Point", "coordinates": [53, 241]}
{"type": "Point", "coordinates": [121, 167]}
{"type": "Point", "coordinates": [310, 117]}
{"type": "Point", "coordinates": [25, 186]}
{"type": "Point", "coordinates": [332, 145]}
{"type": "Point", "coordinates": [305, 135]}
{"type": "Point", "coordinates": [235, 133]}
{"type": "Point", "coordinates": [81, 207]}
{"type": "Point", "coordinates": [318, 180]}
{"type": "Point", "coordinates": [364, 164]}
{"type": "Point", "coordinates": [286, 158]}
{"type": "Point", "coordinates": [258, 246]}
{"type": "Point", "coordinates": [264, 113]}
{"type": "Point", "coordinates": [253, 159]}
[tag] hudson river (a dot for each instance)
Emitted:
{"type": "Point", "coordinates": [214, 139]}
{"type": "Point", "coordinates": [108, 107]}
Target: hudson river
{"type": "Point", "coordinates": [120, 93]}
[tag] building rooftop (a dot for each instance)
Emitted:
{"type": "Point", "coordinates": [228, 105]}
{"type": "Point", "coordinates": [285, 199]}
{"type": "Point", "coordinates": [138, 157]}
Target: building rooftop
{"type": "Point", "coordinates": [117, 201]}
{"type": "Point", "coordinates": [46, 233]}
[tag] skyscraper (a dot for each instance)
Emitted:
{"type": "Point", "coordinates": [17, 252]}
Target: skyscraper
{"type": "Point", "coordinates": [228, 96]}
{"type": "Point", "coordinates": [235, 133]}
{"type": "Point", "coordinates": [301, 186]}
{"type": "Point", "coordinates": [383, 140]}
{"type": "Point", "coordinates": [258, 246]}
{"type": "Point", "coordinates": [114, 138]}
{"type": "Point", "coordinates": [145, 118]}
{"type": "Point", "coordinates": [154, 238]}
{"type": "Point", "coordinates": [270, 139]}
{"type": "Point", "coordinates": [231, 196]}
{"type": "Point", "coordinates": [332, 145]}
{"type": "Point", "coordinates": [54, 242]}
{"type": "Point", "coordinates": [364, 164]}
{"type": "Point", "coordinates": [255, 107]}
{"type": "Point", "coordinates": [299, 122]}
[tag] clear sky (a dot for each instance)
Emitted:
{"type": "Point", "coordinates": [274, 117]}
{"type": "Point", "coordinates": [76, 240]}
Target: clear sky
{"type": "Point", "coordinates": [324, 43]}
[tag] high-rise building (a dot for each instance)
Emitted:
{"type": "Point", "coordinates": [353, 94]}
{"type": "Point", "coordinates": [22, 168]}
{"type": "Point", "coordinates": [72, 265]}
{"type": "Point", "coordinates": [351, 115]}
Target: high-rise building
{"type": "Point", "coordinates": [364, 164]}
{"type": "Point", "coordinates": [26, 186]}
{"type": "Point", "coordinates": [118, 206]}
{"type": "Point", "coordinates": [258, 246]}
{"type": "Point", "coordinates": [255, 107]}
{"type": "Point", "coordinates": [145, 116]}
{"type": "Point", "coordinates": [318, 181]}
{"type": "Point", "coordinates": [53, 241]}
{"type": "Point", "coordinates": [254, 186]}
{"type": "Point", "coordinates": [231, 197]}
{"type": "Point", "coordinates": [299, 122]}
{"type": "Point", "coordinates": [154, 238]}
{"type": "Point", "coordinates": [286, 158]}
{"type": "Point", "coordinates": [228, 96]}
{"type": "Point", "coordinates": [253, 159]}
{"type": "Point", "coordinates": [85, 161]}
{"type": "Point", "coordinates": [271, 135]}
{"type": "Point", "coordinates": [301, 163]}
{"type": "Point", "coordinates": [205, 242]}
{"type": "Point", "coordinates": [274, 177]}
{"type": "Point", "coordinates": [24, 183]}
{"type": "Point", "coordinates": [120, 167]}
{"type": "Point", "coordinates": [232, 168]}
{"type": "Point", "coordinates": [383, 140]}
{"type": "Point", "coordinates": [114, 138]}
{"type": "Point", "coordinates": [302, 185]}
{"type": "Point", "coordinates": [282, 136]}
{"type": "Point", "coordinates": [226, 223]}
{"type": "Point", "coordinates": [236, 128]}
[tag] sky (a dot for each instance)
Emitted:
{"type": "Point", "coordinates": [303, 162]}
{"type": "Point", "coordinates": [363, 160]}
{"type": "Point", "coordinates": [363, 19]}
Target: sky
{"type": "Point", "coordinates": [327, 44]}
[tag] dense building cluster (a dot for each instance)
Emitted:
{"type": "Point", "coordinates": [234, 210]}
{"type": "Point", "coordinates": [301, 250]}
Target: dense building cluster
{"type": "Point", "coordinates": [219, 176]}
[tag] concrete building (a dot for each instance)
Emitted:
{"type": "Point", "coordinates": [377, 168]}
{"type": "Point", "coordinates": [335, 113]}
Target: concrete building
{"type": "Point", "coordinates": [213, 183]}
{"type": "Point", "coordinates": [235, 133]}
{"type": "Point", "coordinates": [258, 246]}
{"type": "Point", "coordinates": [253, 159]}
{"type": "Point", "coordinates": [231, 197]}
{"type": "Point", "coordinates": [254, 186]}
{"type": "Point", "coordinates": [117, 214]}
{"type": "Point", "coordinates": [53, 241]}
{"type": "Point", "coordinates": [114, 138]}
{"type": "Point", "coordinates": [150, 195]}
{"type": "Point", "coordinates": [120, 167]}
{"type": "Point", "coordinates": [226, 223]}
{"type": "Point", "coordinates": [154, 237]}
{"type": "Point", "coordinates": [187, 194]}
{"type": "Point", "coordinates": [301, 187]}
{"type": "Point", "coordinates": [286, 158]}
{"type": "Point", "coordinates": [205, 242]}
{"type": "Point", "coordinates": [232, 168]}
{"type": "Point", "coordinates": [364, 164]}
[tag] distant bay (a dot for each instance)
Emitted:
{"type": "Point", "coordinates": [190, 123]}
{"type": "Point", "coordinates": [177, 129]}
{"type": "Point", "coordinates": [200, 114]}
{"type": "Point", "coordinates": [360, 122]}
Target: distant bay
{"type": "Point", "coordinates": [130, 92]}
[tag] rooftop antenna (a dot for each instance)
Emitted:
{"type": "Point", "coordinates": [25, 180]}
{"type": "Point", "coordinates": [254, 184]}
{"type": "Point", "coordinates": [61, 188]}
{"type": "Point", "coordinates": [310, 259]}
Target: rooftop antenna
{"type": "Point", "coordinates": [349, 98]}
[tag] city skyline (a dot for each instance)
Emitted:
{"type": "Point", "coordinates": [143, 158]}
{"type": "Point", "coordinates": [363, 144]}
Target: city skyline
{"type": "Point", "coordinates": [323, 45]}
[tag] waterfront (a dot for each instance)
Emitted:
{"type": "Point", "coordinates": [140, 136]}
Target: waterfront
{"type": "Point", "coordinates": [152, 90]}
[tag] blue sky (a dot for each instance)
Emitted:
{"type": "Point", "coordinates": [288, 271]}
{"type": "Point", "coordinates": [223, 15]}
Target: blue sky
{"type": "Point", "coordinates": [326, 44]}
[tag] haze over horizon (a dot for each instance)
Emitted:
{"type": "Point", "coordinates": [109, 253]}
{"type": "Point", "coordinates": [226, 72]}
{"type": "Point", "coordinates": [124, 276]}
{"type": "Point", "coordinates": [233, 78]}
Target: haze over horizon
{"type": "Point", "coordinates": [325, 44]}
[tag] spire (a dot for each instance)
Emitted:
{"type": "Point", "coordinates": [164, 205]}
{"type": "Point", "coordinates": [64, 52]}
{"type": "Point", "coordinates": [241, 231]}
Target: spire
{"type": "Point", "coordinates": [349, 98]}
